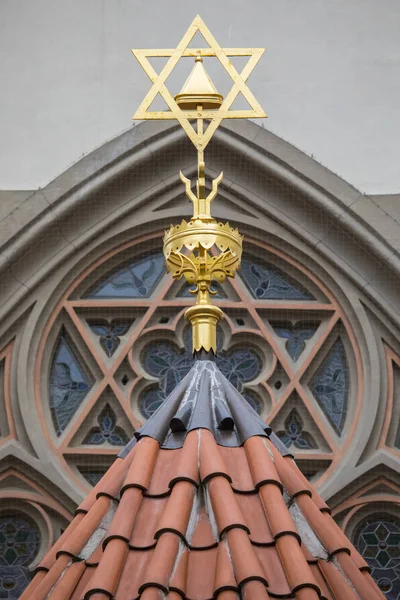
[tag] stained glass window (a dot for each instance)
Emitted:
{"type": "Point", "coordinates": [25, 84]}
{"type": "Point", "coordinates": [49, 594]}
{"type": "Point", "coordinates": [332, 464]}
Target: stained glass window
{"type": "Point", "coordinates": [136, 280]}
{"type": "Point", "coordinates": [294, 433]}
{"type": "Point", "coordinates": [166, 362]}
{"type": "Point", "coordinates": [109, 332]}
{"type": "Point", "coordinates": [107, 431]}
{"type": "Point", "coordinates": [330, 386]}
{"type": "Point", "coordinates": [267, 282]}
{"type": "Point", "coordinates": [19, 544]}
{"type": "Point", "coordinates": [378, 541]}
{"type": "Point", "coordinates": [264, 347]}
{"type": "Point", "coordinates": [296, 336]}
{"type": "Point", "coordinates": [92, 475]}
{"type": "Point", "coordinates": [254, 400]}
{"type": "Point", "coordinates": [68, 385]}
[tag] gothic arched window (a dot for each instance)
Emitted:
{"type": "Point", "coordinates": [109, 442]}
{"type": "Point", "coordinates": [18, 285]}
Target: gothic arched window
{"type": "Point", "coordinates": [19, 545]}
{"type": "Point", "coordinates": [378, 540]}
{"type": "Point", "coordinates": [118, 344]}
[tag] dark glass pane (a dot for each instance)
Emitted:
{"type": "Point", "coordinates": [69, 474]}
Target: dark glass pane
{"type": "Point", "coordinates": [169, 364]}
{"type": "Point", "coordinates": [150, 400]}
{"type": "Point", "coordinates": [239, 366]}
{"type": "Point", "coordinates": [109, 332]}
{"type": "Point", "coordinates": [294, 434]}
{"type": "Point", "coordinates": [136, 280]}
{"type": "Point", "coordinates": [296, 336]}
{"type": "Point", "coordinates": [107, 432]}
{"type": "Point", "coordinates": [267, 282]}
{"type": "Point", "coordinates": [377, 539]}
{"type": "Point", "coordinates": [93, 476]}
{"type": "Point", "coordinates": [254, 400]}
{"type": "Point", "coordinates": [330, 386]}
{"type": "Point", "coordinates": [19, 544]}
{"type": "Point", "coordinates": [68, 386]}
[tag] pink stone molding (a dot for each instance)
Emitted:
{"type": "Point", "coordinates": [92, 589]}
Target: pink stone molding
{"type": "Point", "coordinates": [61, 447]}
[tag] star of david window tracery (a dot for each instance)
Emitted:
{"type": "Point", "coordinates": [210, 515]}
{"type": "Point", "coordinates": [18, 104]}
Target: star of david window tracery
{"type": "Point", "coordinates": [273, 347]}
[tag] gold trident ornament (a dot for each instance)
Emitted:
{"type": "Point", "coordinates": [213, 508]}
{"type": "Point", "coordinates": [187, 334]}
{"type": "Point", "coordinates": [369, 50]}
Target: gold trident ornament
{"type": "Point", "coordinates": [202, 249]}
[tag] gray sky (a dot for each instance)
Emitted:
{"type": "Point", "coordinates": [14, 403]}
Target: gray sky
{"type": "Point", "coordinates": [329, 81]}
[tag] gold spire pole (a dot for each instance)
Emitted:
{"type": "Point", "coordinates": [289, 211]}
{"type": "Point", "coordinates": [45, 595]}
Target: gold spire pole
{"type": "Point", "coordinates": [202, 249]}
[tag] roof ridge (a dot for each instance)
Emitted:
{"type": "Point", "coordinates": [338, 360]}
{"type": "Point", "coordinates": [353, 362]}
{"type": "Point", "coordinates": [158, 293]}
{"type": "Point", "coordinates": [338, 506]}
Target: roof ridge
{"type": "Point", "coordinates": [204, 399]}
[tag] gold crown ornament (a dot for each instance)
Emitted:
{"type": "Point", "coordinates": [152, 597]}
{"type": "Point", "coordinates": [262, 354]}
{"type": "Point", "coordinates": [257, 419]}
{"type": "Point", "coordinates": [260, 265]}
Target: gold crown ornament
{"type": "Point", "coordinates": [201, 250]}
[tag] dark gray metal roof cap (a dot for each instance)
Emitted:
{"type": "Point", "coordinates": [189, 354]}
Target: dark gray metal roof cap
{"type": "Point", "coordinates": [204, 399]}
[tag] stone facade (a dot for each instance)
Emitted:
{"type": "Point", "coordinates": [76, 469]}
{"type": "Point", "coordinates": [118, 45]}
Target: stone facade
{"type": "Point", "coordinates": [320, 235]}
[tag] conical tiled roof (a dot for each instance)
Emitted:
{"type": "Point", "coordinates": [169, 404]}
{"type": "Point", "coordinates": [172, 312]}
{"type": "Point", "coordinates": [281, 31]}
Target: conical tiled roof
{"type": "Point", "coordinates": [205, 502]}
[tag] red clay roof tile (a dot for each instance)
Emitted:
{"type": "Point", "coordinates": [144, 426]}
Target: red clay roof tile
{"type": "Point", "coordinates": [161, 565]}
{"type": "Point", "coordinates": [338, 584]}
{"type": "Point", "coordinates": [152, 594]}
{"type": "Point", "coordinates": [321, 524]}
{"type": "Point", "coordinates": [166, 469]}
{"type": "Point", "coordinates": [255, 518]}
{"type": "Point", "coordinates": [225, 508]}
{"type": "Point", "coordinates": [50, 557]}
{"type": "Point", "coordinates": [49, 581]}
{"type": "Point", "coordinates": [307, 594]}
{"type": "Point", "coordinates": [273, 570]}
{"type": "Point", "coordinates": [224, 576]}
{"type": "Point", "coordinates": [176, 515]}
{"type": "Point", "coordinates": [90, 523]}
{"type": "Point", "coordinates": [146, 523]}
{"type": "Point", "coordinates": [227, 595]}
{"type": "Point", "coordinates": [364, 587]}
{"type": "Point", "coordinates": [260, 462]}
{"type": "Point", "coordinates": [68, 582]}
{"type": "Point", "coordinates": [236, 462]}
{"type": "Point", "coordinates": [83, 582]}
{"type": "Point", "coordinates": [111, 483]}
{"type": "Point", "coordinates": [179, 576]}
{"type": "Point", "coordinates": [232, 536]}
{"type": "Point", "coordinates": [201, 574]}
{"type": "Point", "coordinates": [297, 569]}
{"type": "Point", "coordinates": [173, 595]}
{"type": "Point", "coordinates": [188, 462]}
{"type": "Point", "coordinates": [325, 592]}
{"type": "Point", "coordinates": [211, 461]}
{"type": "Point", "coordinates": [292, 480]}
{"type": "Point", "coordinates": [108, 572]}
{"type": "Point", "coordinates": [125, 515]}
{"type": "Point", "coordinates": [203, 535]}
{"type": "Point", "coordinates": [254, 590]}
{"type": "Point", "coordinates": [132, 576]}
{"type": "Point", "coordinates": [40, 575]}
{"type": "Point", "coordinates": [244, 558]}
{"type": "Point", "coordinates": [142, 466]}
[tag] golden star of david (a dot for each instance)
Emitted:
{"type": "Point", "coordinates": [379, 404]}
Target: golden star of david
{"type": "Point", "coordinates": [199, 138]}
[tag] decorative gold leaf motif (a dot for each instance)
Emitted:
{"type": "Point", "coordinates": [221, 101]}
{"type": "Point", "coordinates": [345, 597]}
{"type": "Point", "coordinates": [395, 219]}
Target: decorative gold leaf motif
{"type": "Point", "coordinates": [202, 236]}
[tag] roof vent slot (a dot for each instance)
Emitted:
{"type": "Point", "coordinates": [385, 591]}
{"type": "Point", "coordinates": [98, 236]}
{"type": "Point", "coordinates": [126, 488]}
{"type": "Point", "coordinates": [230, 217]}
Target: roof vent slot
{"type": "Point", "coordinates": [180, 420]}
{"type": "Point", "coordinates": [224, 417]}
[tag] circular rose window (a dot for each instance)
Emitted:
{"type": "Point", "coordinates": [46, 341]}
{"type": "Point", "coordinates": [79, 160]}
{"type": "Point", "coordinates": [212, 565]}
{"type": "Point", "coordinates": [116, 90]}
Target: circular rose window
{"type": "Point", "coordinates": [118, 344]}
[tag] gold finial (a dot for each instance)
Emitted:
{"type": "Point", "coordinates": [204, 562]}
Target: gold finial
{"type": "Point", "coordinates": [201, 250]}
{"type": "Point", "coordinates": [198, 90]}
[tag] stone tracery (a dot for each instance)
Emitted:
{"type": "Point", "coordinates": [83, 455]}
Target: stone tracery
{"type": "Point", "coordinates": [277, 362]}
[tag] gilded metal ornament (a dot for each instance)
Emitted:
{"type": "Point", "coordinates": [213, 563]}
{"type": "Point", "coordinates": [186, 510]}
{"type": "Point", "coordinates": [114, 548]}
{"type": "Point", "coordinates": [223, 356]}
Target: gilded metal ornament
{"type": "Point", "coordinates": [202, 249]}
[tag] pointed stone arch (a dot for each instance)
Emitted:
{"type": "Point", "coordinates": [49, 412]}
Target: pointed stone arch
{"type": "Point", "coordinates": [130, 186]}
